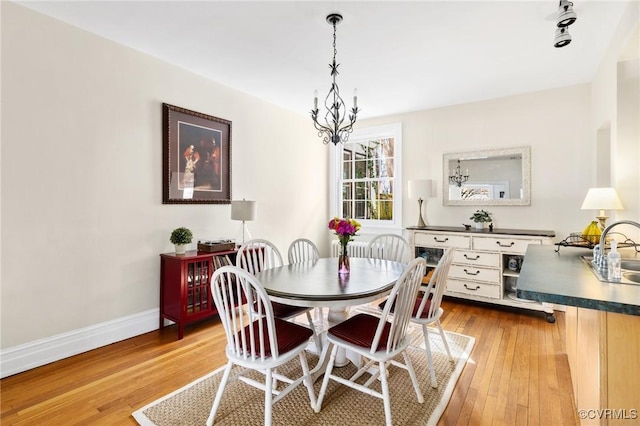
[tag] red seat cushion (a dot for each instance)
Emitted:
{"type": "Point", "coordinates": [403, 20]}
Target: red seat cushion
{"type": "Point", "coordinates": [416, 306]}
{"type": "Point", "coordinates": [280, 310]}
{"type": "Point", "coordinates": [289, 335]}
{"type": "Point", "coordinates": [360, 330]}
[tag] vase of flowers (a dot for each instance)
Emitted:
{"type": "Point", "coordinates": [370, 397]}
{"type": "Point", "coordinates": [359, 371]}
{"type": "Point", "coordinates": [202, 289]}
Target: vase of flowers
{"type": "Point", "coordinates": [345, 229]}
{"type": "Point", "coordinates": [481, 218]}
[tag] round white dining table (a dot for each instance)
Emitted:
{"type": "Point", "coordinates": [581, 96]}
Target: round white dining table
{"type": "Point", "coordinates": [318, 284]}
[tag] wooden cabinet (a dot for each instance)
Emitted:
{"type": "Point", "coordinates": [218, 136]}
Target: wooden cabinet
{"type": "Point", "coordinates": [185, 286]}
{"type": "Point", "coordinates": [486, 264]}
{"type": "Point", "coordinates": [603, 349]}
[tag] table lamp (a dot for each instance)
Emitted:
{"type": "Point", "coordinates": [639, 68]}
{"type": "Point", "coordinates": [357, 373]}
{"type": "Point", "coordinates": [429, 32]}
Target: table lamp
{"type": "Point", "coordinates": [602, 199]}
{"type": "Point", "coordinates": [420, 188]}
{"type": "Point", "coordinates": [245, 211]}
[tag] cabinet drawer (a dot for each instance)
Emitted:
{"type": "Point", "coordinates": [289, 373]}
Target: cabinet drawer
{"type": "Point", "coordinates": [503, 245]}
{"type": "Point", "coordinates": [491, 291]}
{"type": "Point", "coordinates": [491, 260]}
{"type": "Point", "coordinates": [442, 240]}
{"type": "Point", "coordinates": [470, 272]}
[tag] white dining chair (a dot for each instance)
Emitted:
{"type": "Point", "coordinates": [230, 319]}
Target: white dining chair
{"type": "Point", "coordinates": [427, 310]}
{"type": "Point", "coordinates": [378, 339]}
{"type": "Point", "coordinates": [302, 250]}
{"type": "Point", "coordinates": [259, 255]}
{"type": "Point", "coordinates": [389, 247]}
{"type": "Point", "coordinates": [257, 341]}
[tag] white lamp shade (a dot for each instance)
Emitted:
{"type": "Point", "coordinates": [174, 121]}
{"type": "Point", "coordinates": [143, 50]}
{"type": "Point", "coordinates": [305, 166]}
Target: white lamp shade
{"type": "Point", "coordinates": [243, 210]}
{"type": "Point", "coordinates": [602, 199]}
{"type": "Point", "coordinates": [420, 188]}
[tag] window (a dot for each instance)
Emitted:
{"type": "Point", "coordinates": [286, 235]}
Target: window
{"type": "Point", "coordinates": [366, 183]}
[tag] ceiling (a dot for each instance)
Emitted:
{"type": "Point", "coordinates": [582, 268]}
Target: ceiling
{"type": "Point", "coordinates": [401, 56]}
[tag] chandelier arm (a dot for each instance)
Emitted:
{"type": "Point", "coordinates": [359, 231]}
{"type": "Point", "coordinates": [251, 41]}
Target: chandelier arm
{"type": "Point", "coordinates": [322, 130]}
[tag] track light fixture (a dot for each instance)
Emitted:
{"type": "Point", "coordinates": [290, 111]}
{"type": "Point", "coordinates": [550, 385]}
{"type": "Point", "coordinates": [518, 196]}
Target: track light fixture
{"type": "Point", "coordinates": [562, 37]}
{"type": "Point", "coordinates": [566, 17]}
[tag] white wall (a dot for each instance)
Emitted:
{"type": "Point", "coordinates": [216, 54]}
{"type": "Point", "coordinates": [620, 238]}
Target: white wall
{"type": "Point", "coordinates": [616, 106]}
{"type": "Point", "coordinates": [82, 219]}
{"type": "Point", "coordinates": [551, 122]}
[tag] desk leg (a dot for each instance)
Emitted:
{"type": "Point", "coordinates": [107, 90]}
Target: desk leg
{"type": "Point", "coordinates": [336, 316]}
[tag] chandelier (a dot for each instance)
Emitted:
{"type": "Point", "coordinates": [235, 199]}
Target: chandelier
{"type": "Point", "coordinates": [333, 130]}
{"type": "Point", "coordinates": [457, 177]}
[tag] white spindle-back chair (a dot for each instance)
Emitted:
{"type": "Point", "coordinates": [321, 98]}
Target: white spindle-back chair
{"type": "Point", "coordinates": [389, 247]}
{"type": "Point", "coordinates": [259, 255]}
{"type": "Point", "coordinates": [256, 340]}
{"type": "Point", "coordinates": [363, 334]}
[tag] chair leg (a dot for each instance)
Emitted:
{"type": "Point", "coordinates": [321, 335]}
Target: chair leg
{"type": "Point", "coordinates": [307, 379]}
{"type": "Point", "coordinates": [218, 398]}
{"type": "Point", "coordinates": [316, 338]}
{"type": "Point", "coordinates": [444, 340]}
{"type": "Point", "coordinates": [414, 379]}
{"type": "Point", "coordinates": [427, 347]}
{"type": "Point", "coordinates": [268, 397]}
{"type": "Point", "coordinates": [325, 380]}
{"type": "Point", "coordinates": [385, 393]}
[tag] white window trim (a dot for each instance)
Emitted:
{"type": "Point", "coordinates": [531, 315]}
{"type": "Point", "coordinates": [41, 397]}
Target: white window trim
{"type": "Point", "coordinates": [335, 170]}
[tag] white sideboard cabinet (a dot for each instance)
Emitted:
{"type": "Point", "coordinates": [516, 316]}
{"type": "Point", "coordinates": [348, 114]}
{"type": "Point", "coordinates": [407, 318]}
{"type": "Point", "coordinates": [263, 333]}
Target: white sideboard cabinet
{"type": "Point", "coordinates": [486, 264]}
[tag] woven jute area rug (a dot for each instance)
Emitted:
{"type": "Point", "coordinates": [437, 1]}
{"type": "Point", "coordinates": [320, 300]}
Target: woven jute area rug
{"type": "Point", "coordinates": [243, 405]}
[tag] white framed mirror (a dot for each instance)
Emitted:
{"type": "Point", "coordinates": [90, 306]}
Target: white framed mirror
{"type": "Point", "coordinates": [487, 177]}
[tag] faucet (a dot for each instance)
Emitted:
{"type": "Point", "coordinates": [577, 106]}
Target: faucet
{"type": "Point", "coordinates": [599, 255]}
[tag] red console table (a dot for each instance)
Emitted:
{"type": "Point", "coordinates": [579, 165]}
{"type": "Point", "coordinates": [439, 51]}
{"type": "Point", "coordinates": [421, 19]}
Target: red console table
{"type": "Point", "coordinates": [185, 286]}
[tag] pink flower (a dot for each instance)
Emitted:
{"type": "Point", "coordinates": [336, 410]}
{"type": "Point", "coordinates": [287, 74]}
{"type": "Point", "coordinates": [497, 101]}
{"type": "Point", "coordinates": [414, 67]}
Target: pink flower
{"type": "Point", "coordinates": [345, 229]}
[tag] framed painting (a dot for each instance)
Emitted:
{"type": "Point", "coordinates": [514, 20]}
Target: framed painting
{"type": "Point", "coordinates": [196, 157]}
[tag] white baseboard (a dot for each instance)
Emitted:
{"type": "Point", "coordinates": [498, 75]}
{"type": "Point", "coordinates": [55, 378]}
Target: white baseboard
{"type": "Point", "coordinates": [40, 352]}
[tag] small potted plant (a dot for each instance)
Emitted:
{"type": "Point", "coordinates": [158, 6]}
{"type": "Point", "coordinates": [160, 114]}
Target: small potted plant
{"type": "Point", "coordinates": [180, 237]}
{"type": "Point", "coordinates": [481, 217]}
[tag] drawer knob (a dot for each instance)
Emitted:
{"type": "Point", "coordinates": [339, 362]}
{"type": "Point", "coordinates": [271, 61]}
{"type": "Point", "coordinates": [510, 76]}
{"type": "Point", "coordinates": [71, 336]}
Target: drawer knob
{"type": "Point", "coordinates": [471, 273]}
{"type": "Point", "coordinates": [505, 245]}
{"type": "Point", "coordinates": [472, 258]}
{"type": "Point", "coordinates": [472, 289]}
{"type": "Point", "coordinates": [440, 241]}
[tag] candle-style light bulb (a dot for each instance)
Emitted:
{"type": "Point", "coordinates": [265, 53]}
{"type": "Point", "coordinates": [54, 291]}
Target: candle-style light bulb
{"type": "Point", "coordinates": [315, 99]}
{"type": "Point", "coordinates": [355, 98]}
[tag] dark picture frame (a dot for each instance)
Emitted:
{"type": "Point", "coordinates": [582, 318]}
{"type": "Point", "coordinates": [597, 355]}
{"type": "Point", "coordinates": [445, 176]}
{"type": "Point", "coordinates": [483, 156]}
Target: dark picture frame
{"type": "Point", "coordinates": [196, 157]}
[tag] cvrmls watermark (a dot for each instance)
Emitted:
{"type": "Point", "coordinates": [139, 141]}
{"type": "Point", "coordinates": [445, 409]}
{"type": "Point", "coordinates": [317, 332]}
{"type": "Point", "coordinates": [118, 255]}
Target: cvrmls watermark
{"type": "Point", "coordinates": [609, 413]}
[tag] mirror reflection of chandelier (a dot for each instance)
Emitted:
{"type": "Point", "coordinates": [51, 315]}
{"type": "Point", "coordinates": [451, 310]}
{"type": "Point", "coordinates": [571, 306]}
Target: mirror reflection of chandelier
{"type": "Point", "coordinates": [457, 177]}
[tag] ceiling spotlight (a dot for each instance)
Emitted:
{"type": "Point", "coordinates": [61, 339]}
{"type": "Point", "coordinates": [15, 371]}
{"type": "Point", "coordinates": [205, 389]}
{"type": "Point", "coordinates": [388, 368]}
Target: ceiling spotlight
{"type": "Point", "coordinates": [562, 37]}
{"type": "Point", "coordinates": [566, 15]}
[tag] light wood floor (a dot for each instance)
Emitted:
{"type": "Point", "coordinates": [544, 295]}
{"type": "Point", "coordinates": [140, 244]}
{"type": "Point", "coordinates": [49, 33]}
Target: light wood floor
{"type": "Point", "coordinates": [518, 374]}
